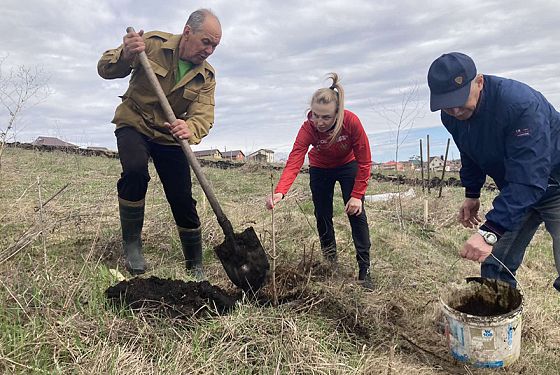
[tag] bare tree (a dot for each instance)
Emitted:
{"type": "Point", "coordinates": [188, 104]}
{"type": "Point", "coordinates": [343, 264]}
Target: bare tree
{"type": "Point", "coordinates": [402, 117]}
{"type": "Point", "coordinates": [21, 88]}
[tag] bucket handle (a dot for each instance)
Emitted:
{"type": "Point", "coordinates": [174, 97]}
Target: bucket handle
{"type": "Point", "coordinates": [497, 260]}
{"type": "Point", "coordinates": [511, 273]}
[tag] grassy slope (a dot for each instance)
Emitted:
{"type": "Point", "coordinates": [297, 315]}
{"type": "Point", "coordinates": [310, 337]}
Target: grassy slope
{"type": "Point", "coordinates": [54, 317]}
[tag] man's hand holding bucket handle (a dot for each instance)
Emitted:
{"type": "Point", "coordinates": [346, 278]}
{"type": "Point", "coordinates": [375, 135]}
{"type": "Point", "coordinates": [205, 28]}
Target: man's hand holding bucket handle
{"type": "Point", "coordinates": [476, 249]}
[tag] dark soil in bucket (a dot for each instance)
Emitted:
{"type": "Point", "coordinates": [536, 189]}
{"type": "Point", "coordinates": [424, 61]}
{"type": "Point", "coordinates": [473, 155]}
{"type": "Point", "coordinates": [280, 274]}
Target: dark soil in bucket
{"type": "Point", "coordinates": [479, 306]}
{"type": "Point", "coordinates": [244, 260]}
{"type": "Point", "coordinates": [172, 298]}
{"type": "Point", "coordinates": [486, 297]}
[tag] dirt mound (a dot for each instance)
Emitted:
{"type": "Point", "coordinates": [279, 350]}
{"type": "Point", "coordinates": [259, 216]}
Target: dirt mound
{"type": "Point", "coordinates": [173, 298]}
{"type": "Point", "coordinates": [180, 299]}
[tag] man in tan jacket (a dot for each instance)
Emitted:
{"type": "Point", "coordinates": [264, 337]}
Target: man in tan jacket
{"type": "Point", "coordinates": [179, 62]}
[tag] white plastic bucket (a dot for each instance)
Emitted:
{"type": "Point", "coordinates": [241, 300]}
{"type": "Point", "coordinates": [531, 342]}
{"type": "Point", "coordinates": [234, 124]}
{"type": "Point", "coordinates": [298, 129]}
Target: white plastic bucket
{"type": "Point", "coordinates": [490, 335]}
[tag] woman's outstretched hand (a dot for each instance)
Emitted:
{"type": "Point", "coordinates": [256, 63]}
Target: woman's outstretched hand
{"type": "Point", "coordinates": [273, 199]}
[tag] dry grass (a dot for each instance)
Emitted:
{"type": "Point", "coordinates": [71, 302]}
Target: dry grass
{"type": "Point", "coordinates": [54, 317]}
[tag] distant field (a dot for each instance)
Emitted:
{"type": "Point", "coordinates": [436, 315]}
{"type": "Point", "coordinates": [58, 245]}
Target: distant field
{"type": "Point", "coordinates": [55, 261]}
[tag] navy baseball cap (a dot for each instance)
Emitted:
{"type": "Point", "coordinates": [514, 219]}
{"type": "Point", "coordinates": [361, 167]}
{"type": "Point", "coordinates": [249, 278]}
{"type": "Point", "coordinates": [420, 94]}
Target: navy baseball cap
{"type": "Point", "coordinates": [449, 80]}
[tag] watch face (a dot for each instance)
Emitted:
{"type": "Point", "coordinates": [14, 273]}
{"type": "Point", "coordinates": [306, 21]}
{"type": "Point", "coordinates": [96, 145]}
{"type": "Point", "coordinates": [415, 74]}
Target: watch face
{"type": "Point", "coordinates": [490, 238]}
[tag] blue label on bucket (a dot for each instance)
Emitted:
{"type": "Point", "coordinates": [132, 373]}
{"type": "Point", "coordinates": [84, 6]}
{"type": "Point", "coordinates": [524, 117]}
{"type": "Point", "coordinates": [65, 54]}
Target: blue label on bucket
{"type": "Point", "coordinates": [487, 333]}
{"type": "Point", "coordinates": [510, 335]}
{"type": "Point", "coordinates": [489, 364]}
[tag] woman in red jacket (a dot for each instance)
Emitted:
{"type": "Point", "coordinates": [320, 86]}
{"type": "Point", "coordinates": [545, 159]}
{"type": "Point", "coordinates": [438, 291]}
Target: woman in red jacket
{"type": "Point", "coordinates": [340, 153]}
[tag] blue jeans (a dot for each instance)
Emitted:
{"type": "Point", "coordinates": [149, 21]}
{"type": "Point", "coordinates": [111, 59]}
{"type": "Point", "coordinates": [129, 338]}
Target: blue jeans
{"type": "Point", "coordinates": [510, 249]}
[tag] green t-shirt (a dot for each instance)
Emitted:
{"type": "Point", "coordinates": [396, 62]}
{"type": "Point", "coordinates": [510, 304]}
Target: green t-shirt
{"type": "Point", "coordinates": [182, 68]}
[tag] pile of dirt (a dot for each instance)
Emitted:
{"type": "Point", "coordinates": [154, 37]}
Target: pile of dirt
{"type": "Point", "coordinates": [172, 298]}
{"type": "Point", "coordinates": [180, 299]}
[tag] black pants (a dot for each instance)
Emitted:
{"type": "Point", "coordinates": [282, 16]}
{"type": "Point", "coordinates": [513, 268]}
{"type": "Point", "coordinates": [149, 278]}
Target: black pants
{"type": "Point", "coordinates": [172, 167]}
{"type": "Point", "coordinates": [322, 181]}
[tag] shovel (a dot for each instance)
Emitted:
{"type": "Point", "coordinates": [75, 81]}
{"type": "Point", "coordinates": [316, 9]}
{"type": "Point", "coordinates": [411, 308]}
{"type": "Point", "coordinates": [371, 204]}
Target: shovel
{"type": "Point", "coordinates": [241, 255]}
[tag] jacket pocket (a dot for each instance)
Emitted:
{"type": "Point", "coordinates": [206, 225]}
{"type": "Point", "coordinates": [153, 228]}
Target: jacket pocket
{"type": "Point", "coordinates": [190, 95]}
{"type": "Point", "coordinates": [158, 69]}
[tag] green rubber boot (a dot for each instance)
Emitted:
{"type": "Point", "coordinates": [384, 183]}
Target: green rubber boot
{"type": "Point", "coordinates": [191, 243]}
{"type": "Point", "coordinates": [132, 220]}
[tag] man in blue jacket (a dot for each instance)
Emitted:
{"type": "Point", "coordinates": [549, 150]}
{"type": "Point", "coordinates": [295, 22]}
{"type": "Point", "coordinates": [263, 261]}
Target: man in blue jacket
{"type": "Point", "coordinates": [508, 131]}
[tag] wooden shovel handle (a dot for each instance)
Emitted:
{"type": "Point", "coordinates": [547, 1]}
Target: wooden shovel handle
{"type": "Point", "coordinates": [195, 165]}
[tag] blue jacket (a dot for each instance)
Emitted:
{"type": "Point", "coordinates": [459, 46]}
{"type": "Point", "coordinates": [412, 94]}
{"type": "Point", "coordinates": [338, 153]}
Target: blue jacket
{"type": "Point", "coordinates": [513, 137]}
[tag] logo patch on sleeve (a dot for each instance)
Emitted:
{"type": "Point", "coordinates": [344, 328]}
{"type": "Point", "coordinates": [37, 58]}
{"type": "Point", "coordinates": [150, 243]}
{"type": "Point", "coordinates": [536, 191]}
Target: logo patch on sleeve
{"type": "Point", "coordinates": [521, 132]}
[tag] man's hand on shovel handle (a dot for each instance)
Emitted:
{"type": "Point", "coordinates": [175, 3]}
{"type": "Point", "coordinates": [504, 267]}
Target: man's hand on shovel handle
{"type": "Point", "coordinates": [133, 44]}
{"type": "Point", "coordinates": [179, 129]}
{"type": "Point", "coordinates": [476, 249]}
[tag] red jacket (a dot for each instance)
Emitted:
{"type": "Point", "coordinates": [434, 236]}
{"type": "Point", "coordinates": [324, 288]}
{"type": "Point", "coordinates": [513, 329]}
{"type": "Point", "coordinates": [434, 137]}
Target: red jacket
{"type": "Point", "coordinates": [352, 144]}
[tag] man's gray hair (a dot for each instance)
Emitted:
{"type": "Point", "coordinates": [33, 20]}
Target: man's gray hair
{"type": "Point", "coordinates": [196, 19]}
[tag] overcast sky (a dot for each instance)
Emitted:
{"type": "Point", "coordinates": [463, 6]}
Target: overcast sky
{"type": "Point", "coordinates": [274, 55]}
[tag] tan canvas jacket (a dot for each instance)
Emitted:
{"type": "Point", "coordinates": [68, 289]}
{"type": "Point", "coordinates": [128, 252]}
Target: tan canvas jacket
{"type": "Point", "coordinates": [192, 99]}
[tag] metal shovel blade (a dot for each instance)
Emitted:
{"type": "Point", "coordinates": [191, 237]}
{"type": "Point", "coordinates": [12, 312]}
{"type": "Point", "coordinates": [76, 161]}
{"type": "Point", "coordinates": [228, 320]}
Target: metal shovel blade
{"type": "Point", "coordinates": [244, 260]}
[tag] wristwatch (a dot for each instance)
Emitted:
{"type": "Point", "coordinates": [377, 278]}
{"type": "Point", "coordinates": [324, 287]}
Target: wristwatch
{"type": "Point", "coordinates": [489, 237]}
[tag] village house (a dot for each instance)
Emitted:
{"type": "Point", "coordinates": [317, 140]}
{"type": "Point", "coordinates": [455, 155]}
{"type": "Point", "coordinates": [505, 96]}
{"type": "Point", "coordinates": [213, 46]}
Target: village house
{"type": "Point", "coordinates": [375, 166]}
{"type": "Point", "coordinates": [208, 154]}
{"type": "Point", "coordinates": [411, 165]}
{"type": "Point", "coordinates": [392, 166]}
{"type": "Point", "coordinates": [237, 155]}
{"type": "Point", "coordinates": [436, 163]}
{"type": "Point", "coordinates": [52, 142]}
{"type": "Point", "coordinates": [453, 166]}
{"type": "Point", "coordinates": [262, 156]}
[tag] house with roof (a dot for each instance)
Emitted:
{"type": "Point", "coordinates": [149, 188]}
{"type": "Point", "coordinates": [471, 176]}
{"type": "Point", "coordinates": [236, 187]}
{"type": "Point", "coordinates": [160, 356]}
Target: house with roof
{"type": "Point", "coordinates": [453, 166]}
{"type": "Point", "coordinates": [237, 155]}
{"type": "Point", "coordinates": [392, 166]}
{"type": "Point", "coordinates": [411, 165]}
{"type": "Point", "coordinates": [52, 142]}
{"type": "Point", "coordinates": [436, 163]}
{"type": "Point", "coordinates": [208, 154]}
{"type": "Point", "coordinates": [375, 166]}
{"type": "Point", "coordinates": [262, 156]}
